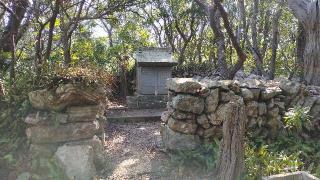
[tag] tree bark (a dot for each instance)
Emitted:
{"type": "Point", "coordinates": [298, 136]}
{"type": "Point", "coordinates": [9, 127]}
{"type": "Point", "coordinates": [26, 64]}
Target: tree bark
{"type": "Point", "coordinates": [275, 42]}
{"type": "Point", "coordinates": [17, 14]}
{"type": "Point", "coordinates": [301, 44]}
{"type": "Point", "coordinates": [255, 45]}
{"type": "Point", "coordinates": [308, 14]}
{"type": "Point", "coordinates": [231, 162]}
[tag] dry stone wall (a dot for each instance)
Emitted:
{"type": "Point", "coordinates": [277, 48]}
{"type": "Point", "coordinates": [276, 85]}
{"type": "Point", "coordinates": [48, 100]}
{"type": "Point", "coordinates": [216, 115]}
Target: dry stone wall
{"type": "Point", "coordinates": [197, 109]}
{"type": "Point", "coordinates": [62, 131]}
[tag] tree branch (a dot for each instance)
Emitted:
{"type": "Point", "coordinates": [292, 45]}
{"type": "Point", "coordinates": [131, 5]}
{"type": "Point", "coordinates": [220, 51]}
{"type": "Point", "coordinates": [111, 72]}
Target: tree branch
{"type": "Point", "coordinates": [8, 9]}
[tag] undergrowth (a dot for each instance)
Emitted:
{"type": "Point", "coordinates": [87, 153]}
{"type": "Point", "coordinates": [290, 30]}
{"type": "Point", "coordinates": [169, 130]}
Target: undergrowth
{"type": "Point", "coordinates": [204, 157]}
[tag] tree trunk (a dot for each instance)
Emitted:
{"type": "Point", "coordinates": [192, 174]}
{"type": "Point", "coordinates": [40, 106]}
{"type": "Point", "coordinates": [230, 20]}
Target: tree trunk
{"type": "Point", "coordinates": [255, 45]}
{"type": "Point", "coordinates": [214, 17]}
{"type": "Point", "coordinates": [301, 43]}
{"type": "Point", "coordinates": [231, 162]}
{"type": "Point", "coordinates": [307, 13]}
{"type": "Point", "coordinates": [275, 42]}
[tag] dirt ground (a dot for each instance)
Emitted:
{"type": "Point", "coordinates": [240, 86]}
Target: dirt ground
{"type": "Point", "coordinates": [135, 151]}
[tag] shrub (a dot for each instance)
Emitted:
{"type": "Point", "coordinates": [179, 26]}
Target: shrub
{"type": "Point", "coordinates": [205, 156]}
{"type": "Point", "coordinates": [296, 119]}
{"type": "Point", "coordinates": [263, 161]}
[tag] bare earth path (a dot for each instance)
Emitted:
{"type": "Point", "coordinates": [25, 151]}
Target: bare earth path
{"type": "Point", "coordinates": [134, 152]}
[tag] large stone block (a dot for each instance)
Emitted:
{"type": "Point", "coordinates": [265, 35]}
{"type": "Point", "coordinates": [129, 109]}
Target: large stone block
{"type": "Point", "coordinates": [83, 113]}
{"type": "Point", "coordinates": [270, 92]}
{"type": "Point", "coordinates": [182, 126]}
{"type": "Point", "coordinates": [203, 121]}
{"type": "Point", "coordinates": [222, 113]}
{"type": "Point", "coordinates": [212, 101]}
{"type": "Point", "coordinates": [176, 141]}
{"type": "Point", "coordinates": [62, 133]}
{"type": "Point", "coordinates": [184, 85]}
{"type": "Point", "coordinates": [77, 161]}
{"type": "Point", "coordinates": [290, 87]}
{"type": "Point", "coordinates": [188, 103]}
{"type": "Point", "coordinates": [66, 95]}
{"type": "Point", "coordinates": [252, 109]}
{"type": "Point", "coordinates": [183, 115]}
{"type": "Point", "coordinates": [247, 94]}
{"type": "Point", "coordinates": [100, 156]}
{"type": "Point", "coordinates": [45, 118]}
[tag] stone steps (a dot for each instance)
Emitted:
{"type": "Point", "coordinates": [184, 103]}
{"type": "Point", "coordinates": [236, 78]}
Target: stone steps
{"type": "Point", "coordinates": [133, 115]}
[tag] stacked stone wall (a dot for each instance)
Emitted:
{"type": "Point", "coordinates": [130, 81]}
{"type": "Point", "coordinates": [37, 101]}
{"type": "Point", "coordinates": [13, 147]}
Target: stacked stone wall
{"type": "Point", "coordinates": [62, 131]}
{"type": "Point", "coordinates": [197, 109]}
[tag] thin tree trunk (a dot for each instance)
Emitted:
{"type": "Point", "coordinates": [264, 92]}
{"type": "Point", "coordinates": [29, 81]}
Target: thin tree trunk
{"type": "Point", "coordinates": [214, 17]}
{"type": "Point", "coordinates": [51, 28]}
{"type": "Point", "coordinates": [255, 44]}
{"type": "Point", "coordinates": [275, 42]}
{"type": "Point", "coordinates": [13, 61]}
{"type": "Point", "coordinates": [231, 162]}
{"type": "Point", "coordinates": [301, 43]}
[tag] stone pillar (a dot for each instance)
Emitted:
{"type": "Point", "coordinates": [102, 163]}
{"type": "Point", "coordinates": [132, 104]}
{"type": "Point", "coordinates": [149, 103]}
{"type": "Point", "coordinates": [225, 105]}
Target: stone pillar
{"type": "Point", "coordinates": [62, 131]}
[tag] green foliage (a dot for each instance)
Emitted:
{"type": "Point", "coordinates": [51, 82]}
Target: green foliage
{"type": "Point", "coordinates": [309, 151]}
{"type": "Point", "coordinates": [193, 69]}
{"type": "Point", "coordinates": [264, 161]}
{"type": "Point", "coordinates": [205, 156]}
{"type": "Point", "coordinates": [297, 118]}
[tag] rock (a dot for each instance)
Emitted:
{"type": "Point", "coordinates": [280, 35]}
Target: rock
{"type": "Point", "coordinates": [262, 109]}
{"type": "Point", "coordinates": [211, 84]}
{"type": "Point", "coordinates": [176, 141]}
{"type": "Point", "coordinates": [42, 150]}
{"type": "Point", "coordinates": [221, 114]}
{"type": "Point", "coordinates": [181, 126]}
{"type": "Point", "coordinates": [188, 103]}
{"type": "Point", "coordinates": [235, 87]}
{"type": "Point", "coordinates": [65, 95]}
{"type": "Point", "coordinates": [165, 116]}
{"type": "Point", "coordinates": [252, 83]}
{"type": "Point", "coordinates": [44, 118]}
{"type": "Point", "coordinates": [184, 85]}
{"type": "Point", "coordinates": [24, 176]}
{"type": "Point", "coordinates": [270, 92]}
{"type": "Point", "coordinates": [274, 124]}
{"type": "Point", "coordinates": [315, 111]}
{"type": "Point", "coordinates": [203, 121]}
{"type": "Point", "coordinates": [252, 109]}
{"type": "Point", "coordinates": [62, 133]}
{"type": "Point", "coordinates": [280, 104]}
{"type": "Point", "coordinates": [226, 96]}
{"type": "Point", "coordinates": [270, 104]}
{"type": "Point", "coordinates": [310, 101]}
{"type": "Point", "coordinates": [76, 161]}
{"type": "Point", "coordinates": [290, 87]}
{"type": "Point", "coordinates": [247, 94]}
{"type": "Point", "coordinates": [274, 112]}
{"type": "Point", "coordinates": [212, 101]}
{"type": "Point", "coordinates": [183, 115]}
{"type": "Point", "coordinates": [213, 132]}
{"type": "Point", "coordinates": [100, 156]}
{"type": "Point", "coordinates": [256, 93]}
{"type": "Point", "coordinates": [83, 113]}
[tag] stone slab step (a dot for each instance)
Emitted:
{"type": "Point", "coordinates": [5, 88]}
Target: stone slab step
{"type": "Point", "coordinates": [147, 101]}
{"type": "Point", "coordinates": [133, 115]}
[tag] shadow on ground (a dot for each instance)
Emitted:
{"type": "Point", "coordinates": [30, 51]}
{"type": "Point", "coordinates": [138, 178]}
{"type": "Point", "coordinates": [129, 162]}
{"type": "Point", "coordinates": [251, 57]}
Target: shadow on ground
{"type": "Point", "coordinates": [135, 152]}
